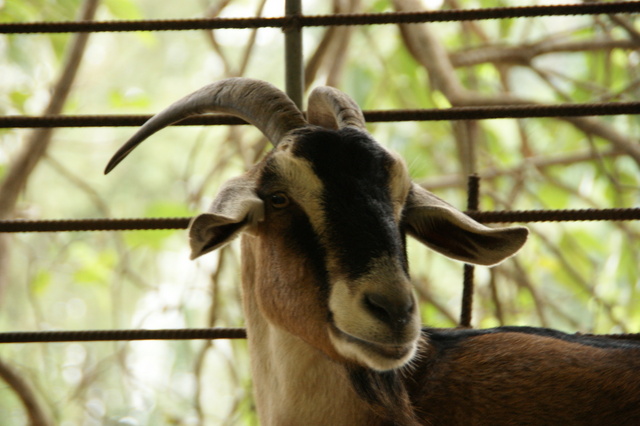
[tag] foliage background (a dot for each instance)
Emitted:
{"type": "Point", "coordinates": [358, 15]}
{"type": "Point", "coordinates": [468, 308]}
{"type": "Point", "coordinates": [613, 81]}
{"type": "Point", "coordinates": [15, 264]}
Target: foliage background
{"type": "Point", "coordinates": [570, 276]}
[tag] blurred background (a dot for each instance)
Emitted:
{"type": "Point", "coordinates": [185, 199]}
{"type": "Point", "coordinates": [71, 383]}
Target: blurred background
{"type": "Point", "coordinates": [578, 276]}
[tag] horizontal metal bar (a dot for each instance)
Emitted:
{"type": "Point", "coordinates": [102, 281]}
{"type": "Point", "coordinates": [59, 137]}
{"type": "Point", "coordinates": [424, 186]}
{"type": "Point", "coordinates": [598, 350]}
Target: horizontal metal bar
{"type": "Point", "coordinates": [372, 116]}
{"type": "Point", "coordinates": [568, 215]}
{"type": "Point", "coordinates": [111, 335]}
{"type": "Point", "coordinates": [107, 224]}
{"type": "Point", "coordinates": [322, 20]}
{"type": "Point", "coordinates": [16, 121]}
{"type": "Point", "coordinates": [170, 334]}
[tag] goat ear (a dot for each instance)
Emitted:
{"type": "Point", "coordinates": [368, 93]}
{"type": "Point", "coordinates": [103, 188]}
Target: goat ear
{"type": "Point", "coordinates": [236, 208]}
{"type": "Point", "coordinates": [454, 234]}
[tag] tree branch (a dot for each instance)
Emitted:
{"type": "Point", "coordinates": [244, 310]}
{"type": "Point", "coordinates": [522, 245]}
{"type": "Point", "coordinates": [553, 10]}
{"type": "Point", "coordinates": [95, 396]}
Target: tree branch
{"type": "Point", "coordinates": [538, 162]}
{"type": "Point", "coordinates": [32, 407]}
{"type": "Point", "coordinates": [431, 54]}
{"type": "Point", "coordinates": [38, 142]}
{"type": "Point", "coordinates": [524, 54]}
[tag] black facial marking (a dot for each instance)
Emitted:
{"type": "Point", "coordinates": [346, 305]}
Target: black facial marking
{"type": "Point", "coordinates": [355, 172]}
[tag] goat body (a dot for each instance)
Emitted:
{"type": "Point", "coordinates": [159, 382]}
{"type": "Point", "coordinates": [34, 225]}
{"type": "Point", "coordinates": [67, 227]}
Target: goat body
{"type": "Point", "coordinates": [333, 326]}
{"type": "Point", "coordinates": [522, 376]}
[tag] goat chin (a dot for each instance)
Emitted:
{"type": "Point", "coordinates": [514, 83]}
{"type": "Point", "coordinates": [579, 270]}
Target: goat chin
{"type": "Point", "coordinates": [373, 355]}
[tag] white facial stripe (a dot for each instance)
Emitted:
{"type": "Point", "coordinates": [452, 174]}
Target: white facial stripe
{"type": "Point", "coordinates": [304, 186]}
{"type": "Point", "coordinates": [399, 184]}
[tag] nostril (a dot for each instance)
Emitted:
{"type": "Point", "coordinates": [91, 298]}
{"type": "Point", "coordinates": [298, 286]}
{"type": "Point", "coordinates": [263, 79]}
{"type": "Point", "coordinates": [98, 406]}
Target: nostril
{"type": "Point", "coordinates": [392, 311]}
{"type": "Point", "coordinates": [376, 304]}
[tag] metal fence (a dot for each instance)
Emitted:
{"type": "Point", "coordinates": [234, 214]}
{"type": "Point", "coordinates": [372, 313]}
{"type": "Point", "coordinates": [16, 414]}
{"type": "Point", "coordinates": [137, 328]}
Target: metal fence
{"type": "Point", "coordinates": [292, 25]}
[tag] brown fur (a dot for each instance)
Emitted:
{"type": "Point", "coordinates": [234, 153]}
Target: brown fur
{"type": "Point", "coordinates": [500, 378]}
{"type": "Point", "coordinates": [512, 376]}
{"type": "Point", "coordinates": [521, 378]}
{"type": "Point", "coordinates": [295, 381]}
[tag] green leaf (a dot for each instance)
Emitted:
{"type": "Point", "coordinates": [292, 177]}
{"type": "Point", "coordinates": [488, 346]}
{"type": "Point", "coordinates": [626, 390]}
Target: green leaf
{"type": "Point", "coordinates": [16, 11]}
{"type": "Point", "coordinates": [40, 282]}
{"type": "Point", "coordinates": [93, 267]}
{"type": "Point", "coordinates": [123, 9]}
{"type": "Point", "coordinates": [18, 98]}
{"type": "Point", "coordinates": [129, 10]}
{"type": "Point", "coordinates": [168, 209]}
{"type": "Point", "coordinates": [554, 197]}
{"type": "Point", "coordinates": [120, 100]}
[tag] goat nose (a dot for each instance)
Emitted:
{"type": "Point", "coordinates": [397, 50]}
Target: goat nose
{"type": "Point", "coordinates": [395, 311]}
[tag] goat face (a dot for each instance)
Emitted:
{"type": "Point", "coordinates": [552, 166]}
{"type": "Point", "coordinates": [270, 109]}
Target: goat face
{"type": "Point", "coordinates": [345, 196]}
{"type": "Point", "coordinates": [328, 209]}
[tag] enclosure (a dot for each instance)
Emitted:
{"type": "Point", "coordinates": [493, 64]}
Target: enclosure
{"type": "Point", "coordinates": [539, 102]}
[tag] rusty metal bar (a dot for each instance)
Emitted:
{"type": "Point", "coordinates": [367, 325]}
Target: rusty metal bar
{"type": "Point", "coordinates": [137, 224]}
{"type": "Point", "coordinates": [110, 224]}
{"type": "Point", "coordinates": [473, 202]}
{"type": "Point", "coordinates": [110, 335]}
{"type": "Point", "coordinates": [293, 57]}
{"type": "Point", "coordinates": [527, 216]}
{"type": "Point", "coordinates": [323, 20]}
{"type": "Point", "coordinates": [372, 116]}
{"type": "Point", "coordinates": [172, 334]}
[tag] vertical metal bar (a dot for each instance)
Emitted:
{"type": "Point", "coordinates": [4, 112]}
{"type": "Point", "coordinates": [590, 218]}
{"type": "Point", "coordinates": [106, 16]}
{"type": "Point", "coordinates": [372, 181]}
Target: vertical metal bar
{"type": "Point", "coordinates": [294, 68]}
{"type": "Point", "coordinates": [473, 197]}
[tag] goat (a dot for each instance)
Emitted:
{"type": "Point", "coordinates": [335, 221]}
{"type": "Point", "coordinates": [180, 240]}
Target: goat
{"type": "Point", "coordinates": [333, 326]}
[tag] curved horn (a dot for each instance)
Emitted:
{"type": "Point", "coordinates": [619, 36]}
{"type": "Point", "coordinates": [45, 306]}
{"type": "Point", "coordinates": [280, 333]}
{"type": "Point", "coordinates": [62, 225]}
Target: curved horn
{"type": "Point", "coordinates": [329, 107]}
{"type": "Point", "coordinates": [255, 101]}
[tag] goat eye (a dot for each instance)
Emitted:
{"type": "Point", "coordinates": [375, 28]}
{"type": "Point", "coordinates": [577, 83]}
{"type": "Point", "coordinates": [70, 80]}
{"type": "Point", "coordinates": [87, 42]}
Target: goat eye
{"type": "Point", "coordinates": [279, 200]}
